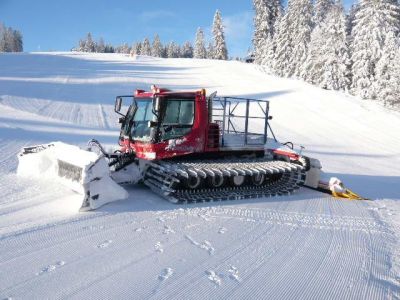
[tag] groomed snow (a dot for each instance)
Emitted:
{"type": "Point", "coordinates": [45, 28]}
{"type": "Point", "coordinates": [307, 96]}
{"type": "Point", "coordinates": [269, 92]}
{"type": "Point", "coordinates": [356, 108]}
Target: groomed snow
{"type": "Point", "coordinates": [304, 246]}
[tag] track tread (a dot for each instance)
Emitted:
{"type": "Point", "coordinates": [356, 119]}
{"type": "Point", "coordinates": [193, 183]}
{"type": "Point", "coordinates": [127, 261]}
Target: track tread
{"type": "Point", "coordinates": [162, 175]}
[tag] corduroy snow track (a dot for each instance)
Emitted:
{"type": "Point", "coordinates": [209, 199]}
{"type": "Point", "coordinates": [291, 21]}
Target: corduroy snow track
{"type": "Point", "coordinates": [214, 179]}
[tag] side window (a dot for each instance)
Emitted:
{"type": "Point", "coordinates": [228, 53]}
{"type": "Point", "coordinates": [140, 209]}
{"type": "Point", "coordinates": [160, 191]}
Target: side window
{"type": "Point", "coordinates": [172, 112]}
{"type": "Point", "coordinates": [179, 112]}
{"type": "Point", "coordinates": [186, 113]}
{"type": "Point", "coordinates": [179, 117]}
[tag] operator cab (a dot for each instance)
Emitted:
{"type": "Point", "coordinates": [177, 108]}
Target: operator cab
{"type": "Point", "coordinates": [156, 118]}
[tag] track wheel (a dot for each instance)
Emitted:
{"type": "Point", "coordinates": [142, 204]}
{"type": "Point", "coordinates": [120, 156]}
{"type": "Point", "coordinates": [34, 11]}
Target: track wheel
{"type": "Point", "coordinates": [257, 179]}
{"type": "Point", "coordinates": [238, 180]}
{"type": "Point", "coordinates": [216, 181]}
{"type": "Point", "coordinates": [193, 182]}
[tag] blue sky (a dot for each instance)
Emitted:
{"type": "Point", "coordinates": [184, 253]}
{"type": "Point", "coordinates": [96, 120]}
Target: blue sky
{"type": "Point", "coordinates": [58, 25]}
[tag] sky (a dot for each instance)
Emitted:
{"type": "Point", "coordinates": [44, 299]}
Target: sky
{"type": "Point", "coordinates": [51, 25]}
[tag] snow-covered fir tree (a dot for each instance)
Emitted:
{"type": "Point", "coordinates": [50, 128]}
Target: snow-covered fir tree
{"type": "Point", "coordinates": [313, 69]}
{"type": "Point", "coordinates": [335, 50]}
{"type": "Point", "coordinates": [100, 46]}
{"type": "Point", "coordinates": [321, 9]}
{"type": "Point", "coordinates": [210, 50]}
{"type": "Point", "coordinates": [387, 84]}
{"type": "Point", "coordinates": [156, 49]}
{"type": "Point", "coordinates": [164, 53]}
{"type": "Point", "coordinates": [109, 48]}
{"type": "Point", "coordinates": [173, 50]}
{"type": "Point", "coordinates": [199, 48]}
{"type": "Point", "coordinates": [374, 20]}
{"type": "Point", "coordinates": [90, 45]}
{"type": "Point", "coordinates": [350, 17]}
{"type": "Point", "coordinates": [293, 37]}
{"type": "Point", "coordinates": [10, 39]}
{"type": "Point", "coordinates": [267, 14]}
{"type": "Point", "coordinates": [124, 48]}
{"type": "Point", "coordinates": [220, 50]}
{"type": "Point", "coordinates": [146, 48]}
{"type": "Point", "coordinates": [269, 48]}
{"type": "Point", "coordinates": [261, 28]}
{"type": "Point", "coordinates": [187, 50]}
{"type": "Point", "coordinates": [135, 49]}
{"type": "Point", "coordinates": [328, 61]}
{"type": "Point", "coordinates": [81, 45]}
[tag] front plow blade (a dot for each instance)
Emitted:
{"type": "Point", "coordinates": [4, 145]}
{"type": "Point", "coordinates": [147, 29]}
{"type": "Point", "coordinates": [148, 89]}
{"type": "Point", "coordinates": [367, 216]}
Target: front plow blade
{"type": "Point", "coordinates": [82, 171]}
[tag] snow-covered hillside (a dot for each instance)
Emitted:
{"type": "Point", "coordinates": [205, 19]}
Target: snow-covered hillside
{"type": "Point", "coordinates": [303, 246]}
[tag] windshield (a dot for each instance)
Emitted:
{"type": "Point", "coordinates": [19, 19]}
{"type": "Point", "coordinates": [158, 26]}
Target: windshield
{"type": "Point", "coordinates": [144, 113]}
{"type": "Point", "coordinates": [176, 116]}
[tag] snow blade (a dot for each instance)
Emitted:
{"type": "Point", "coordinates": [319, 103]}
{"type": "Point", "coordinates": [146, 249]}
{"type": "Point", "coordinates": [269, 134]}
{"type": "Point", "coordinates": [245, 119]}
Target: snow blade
{"type": "Point", "coordinates": [83, 171]}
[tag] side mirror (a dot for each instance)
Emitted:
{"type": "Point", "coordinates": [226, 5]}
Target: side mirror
{"type": "Point", "coordinates": [118, 104]}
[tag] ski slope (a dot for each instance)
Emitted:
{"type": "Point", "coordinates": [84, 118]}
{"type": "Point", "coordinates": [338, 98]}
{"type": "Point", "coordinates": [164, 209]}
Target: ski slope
{"type": "Point", "coordinates": [307, 245]}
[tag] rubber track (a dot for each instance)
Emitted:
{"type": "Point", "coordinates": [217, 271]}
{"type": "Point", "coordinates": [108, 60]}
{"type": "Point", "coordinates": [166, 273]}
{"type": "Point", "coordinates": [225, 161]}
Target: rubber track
{"type": "Point", "coordinates": [163, 176]}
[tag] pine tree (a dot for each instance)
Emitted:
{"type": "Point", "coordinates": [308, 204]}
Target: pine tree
{"type": "Point", "coordinates": [164, 53]}
{"type": "Point", "coordinates": [109, 48]}
{"type": "Point", "coordinates": [81, 47]}
{"type": "Point", "coordinates": [335, 51]}
{"type": "Point", "coordinates": [220, 51]}
{"type": "Point", "coordinates": [322, 7]}
{"type": "Point", "coordinates": [101, 47]}
{"type": "Point", "coordinates": [90, 45]}
{"type": "Point", "coordinates": [373, 21]}
{"type": "Point", "coordinates": [3, 38]}
{"type": "Point", "coordinates": [172, 50]}
{"type": "Point", "coordinates": [210, 51]}
{"type": "Point", "coordinates": [293, 37]}
{"type": "Point", "coordinates": [261, 28]}
{"type": "Point", "coordinates": [269, 48]}
{"type": "Point", "coordinates": [136, 48]}
{"type": "Point", "coordinates": [187, 50]}
{"type": "Point", "coordinates": [199, 48]}
{"type": "Point", "coordinates": [387, 85]}
{"type": "Point", "coordinates": [314, 67]}
{"type": "Point", "coordinates": [267, 14]}
{"type": "Point", "coordinates": [350, 19]}
{"type": "Point", "coordinates": [156, 49]}
{"type": "Point", "coordinates": [10, 39]}
{"type": "Point", "coordinates": [145, 49]}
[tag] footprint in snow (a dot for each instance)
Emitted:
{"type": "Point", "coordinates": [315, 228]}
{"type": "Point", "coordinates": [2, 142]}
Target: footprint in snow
{"type": "Point", "coordinates": [104, 244]}
{"type": "Point", "coordinates": [161, 219]}
{"type": "Point", "coordinates": [168, 230]}
{"type": "Point", "coordinates": [213, 277]}
{"type": "Point", "coordinates": [234, 273]}
{"type": "Point", "coordinates": [165, 274]}
{"type": "Point", "coordinates": [51, 268]}
{"type": "Point", "coordinates": [158, 247]}
{"type": "Point", "coordinates": [139, 229]}
{"type": "Point", "coordinates": [205, 245]}
{"type": "Point", "coordinates": [222, 230]}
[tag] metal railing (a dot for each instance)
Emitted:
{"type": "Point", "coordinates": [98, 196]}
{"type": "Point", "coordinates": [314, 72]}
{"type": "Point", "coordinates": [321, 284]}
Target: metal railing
{"type": "Point", "coordinates": [242, 121]}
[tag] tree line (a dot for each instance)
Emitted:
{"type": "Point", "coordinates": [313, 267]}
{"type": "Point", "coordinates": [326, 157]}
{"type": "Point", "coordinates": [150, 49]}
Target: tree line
{"type": "Point", "coordinates": [215, 49]}
{"type": "Point", "coordinates": [10, 39]}
{"type": "Point", "coordinates": [357, 52]}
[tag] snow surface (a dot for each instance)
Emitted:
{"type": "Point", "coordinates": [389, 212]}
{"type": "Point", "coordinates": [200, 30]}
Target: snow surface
{"type": "Point", "coordinates": [303, 246]}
